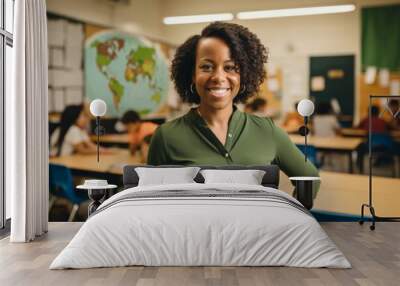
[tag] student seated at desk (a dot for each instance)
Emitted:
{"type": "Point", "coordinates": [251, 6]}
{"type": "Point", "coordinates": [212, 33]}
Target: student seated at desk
{"type": "Point", "coordinates": [381, 139]}
{"type": "Point", "coordinates": [325, 123]}
{"type": "Point", "coordinates": [378, 124]}
{"type": "Point", "coordinates": [137, 130]}
{"type": "Point", "coordinates": [144, 148]}
{"type": "Point", "coordinates": [293, 121]}
{"type": "Point", "coordinates": [71, 136]}
{"type": "Point", "coordinates": [394, 117]}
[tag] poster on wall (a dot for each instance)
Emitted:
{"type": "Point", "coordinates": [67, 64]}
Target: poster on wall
{"type": "Point", "coordinates": [126, 71]}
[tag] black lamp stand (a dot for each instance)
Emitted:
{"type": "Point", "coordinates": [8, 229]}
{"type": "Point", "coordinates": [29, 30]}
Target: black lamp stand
{"type": "Point", "coordinates": [303, 131]}
{"type": "Point", "coordinates": [99, 131]}
{"type": "Point", "coordinates": [305, 137]}
{"type": "Point", "coordinates": [375, 218]}
{"type": "Point", "coordinates": [98, 135]}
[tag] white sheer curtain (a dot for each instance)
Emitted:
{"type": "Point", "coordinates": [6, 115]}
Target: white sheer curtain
{"type": "Point", "coordinates": [27, 124]}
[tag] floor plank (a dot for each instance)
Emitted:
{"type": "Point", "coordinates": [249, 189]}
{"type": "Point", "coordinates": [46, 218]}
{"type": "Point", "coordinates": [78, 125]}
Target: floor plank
{"type": "Point", "coordinates": [375, 257]}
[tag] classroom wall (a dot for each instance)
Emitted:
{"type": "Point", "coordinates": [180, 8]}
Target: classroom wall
{"type": "Point", "coordinates": [93, 11]}
{"type": "Point", "coordinates": [290, 40]}
{"type": "Point", "coordinates": [142, 17]}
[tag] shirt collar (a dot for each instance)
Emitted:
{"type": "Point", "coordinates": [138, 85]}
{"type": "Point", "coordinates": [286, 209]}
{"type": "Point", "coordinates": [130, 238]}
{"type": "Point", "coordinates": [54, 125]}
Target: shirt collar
{"type": "Point", "coordinates": [235, 125]}
{"type": "Point", "coordinates": [195, 117]}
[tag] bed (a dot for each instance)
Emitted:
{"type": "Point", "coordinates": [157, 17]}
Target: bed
{"type": "Point", "coordinates": [201, 224]}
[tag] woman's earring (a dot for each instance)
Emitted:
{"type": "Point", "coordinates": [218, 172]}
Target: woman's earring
{"type": "Point", "coordinates": [191, 88]}
{"type": "Point", "coordinates": [243, 89]}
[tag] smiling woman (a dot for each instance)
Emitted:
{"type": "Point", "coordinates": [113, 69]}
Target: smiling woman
{"type": "Point", "coordinates": [223, 66]}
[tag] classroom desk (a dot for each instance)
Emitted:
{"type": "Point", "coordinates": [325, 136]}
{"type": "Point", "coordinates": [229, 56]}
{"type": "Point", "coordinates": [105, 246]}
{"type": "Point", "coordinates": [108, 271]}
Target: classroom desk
{"type": "Point", "coordinates": [337, 144]}
{"type": "Point", "coordinates": [345, 193]}
{"type": "Point", "coordinates": [356, 132]}
{"type": "Point", "coordinates": [121, 140]}
{"type": "Point", "coordinates": [109, 163]}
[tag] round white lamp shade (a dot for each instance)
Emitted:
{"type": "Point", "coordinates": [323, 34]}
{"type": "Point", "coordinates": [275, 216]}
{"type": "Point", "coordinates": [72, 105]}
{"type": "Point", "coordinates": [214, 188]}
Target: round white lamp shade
{"type": "Point", "coordinates": [305, 107]}
{"type": "Point", "coordinates": [98, 107]}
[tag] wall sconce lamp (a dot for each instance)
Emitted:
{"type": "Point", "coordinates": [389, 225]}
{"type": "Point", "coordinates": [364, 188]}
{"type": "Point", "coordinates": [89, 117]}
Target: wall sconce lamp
{"type": "Point", "coordinates": [305, 108]}
{"type": "Point", "coordinates": [98, 108]}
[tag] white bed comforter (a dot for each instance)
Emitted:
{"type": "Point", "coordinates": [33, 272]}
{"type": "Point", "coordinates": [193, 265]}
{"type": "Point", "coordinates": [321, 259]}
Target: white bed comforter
{"type": "Point", "coordinates": [206, 230]}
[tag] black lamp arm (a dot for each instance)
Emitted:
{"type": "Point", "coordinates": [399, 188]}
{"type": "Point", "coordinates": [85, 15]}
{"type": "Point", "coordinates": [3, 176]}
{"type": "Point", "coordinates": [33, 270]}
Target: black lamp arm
{"type": "Point", "coordinates": [305, 138]}
{"type": "Point", "coordinates": [98, 135]}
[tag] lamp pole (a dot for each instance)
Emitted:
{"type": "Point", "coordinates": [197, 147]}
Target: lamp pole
{"type": "Point", "coordinates": [98, 135]}
{"type": "Point", "coordinates": [305, 137]}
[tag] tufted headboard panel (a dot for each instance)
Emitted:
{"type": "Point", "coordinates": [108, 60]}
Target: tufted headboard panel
{"type": "Point", "coordinates": [270, 179]}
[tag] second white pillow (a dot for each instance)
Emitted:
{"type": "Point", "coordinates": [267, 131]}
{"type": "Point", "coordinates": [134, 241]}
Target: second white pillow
{"type": "Point", "coordinates": [248, 177]}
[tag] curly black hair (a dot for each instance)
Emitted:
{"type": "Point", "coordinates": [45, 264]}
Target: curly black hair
{"type": "Point", "coordinates": [248, 53]}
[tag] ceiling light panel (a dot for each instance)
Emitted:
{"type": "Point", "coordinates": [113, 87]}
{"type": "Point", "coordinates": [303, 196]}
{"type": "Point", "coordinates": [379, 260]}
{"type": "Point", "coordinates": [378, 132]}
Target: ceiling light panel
{"type": "Point", "coordinates": [295, 12]}
{"type": "Point", "coordinates": [197, 19]}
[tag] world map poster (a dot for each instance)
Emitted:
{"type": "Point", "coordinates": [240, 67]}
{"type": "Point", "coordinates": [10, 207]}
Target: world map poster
{"type": "Point", "coordinates": [126, 71]}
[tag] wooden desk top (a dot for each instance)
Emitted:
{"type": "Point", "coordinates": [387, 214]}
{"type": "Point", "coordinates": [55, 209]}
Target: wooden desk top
{"type": "Point", "coordinates": [334, 143]}
{"type": "Point", "coordinates": [341, 143]}
{"type": "Point", "coordinates": [356, 132]}
{"type": "Point", "coordinates": [345, 193]}
{"type": "Point", "coordinates": [112, 138]}
{"type": "Point", "coordinates": [353, 132]}
{"type": "Point", "coordinates": [109, 163]}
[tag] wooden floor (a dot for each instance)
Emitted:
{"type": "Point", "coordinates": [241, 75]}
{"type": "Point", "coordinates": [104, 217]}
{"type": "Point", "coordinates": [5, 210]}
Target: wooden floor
{"type": "Point", "coordinates": [375, 256]}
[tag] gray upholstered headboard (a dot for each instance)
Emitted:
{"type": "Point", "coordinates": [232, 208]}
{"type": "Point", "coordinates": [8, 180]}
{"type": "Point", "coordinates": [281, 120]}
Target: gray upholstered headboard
{"type": "Point", "coordinates": [270, 179]}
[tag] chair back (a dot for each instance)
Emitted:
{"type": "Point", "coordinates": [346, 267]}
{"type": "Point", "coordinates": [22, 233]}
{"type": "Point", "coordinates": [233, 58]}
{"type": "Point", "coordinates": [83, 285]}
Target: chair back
{"type": "Point", "coordinates": [62, 185]}
{"type": "Point", "coordinates": [382, 141]}
{"type": "Point", "coordinates": [311, 153]}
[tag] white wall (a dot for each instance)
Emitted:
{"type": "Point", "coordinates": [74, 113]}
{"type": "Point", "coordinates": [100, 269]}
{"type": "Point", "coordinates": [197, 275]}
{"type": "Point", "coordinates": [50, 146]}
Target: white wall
{"type": "Point", "coordinates": [92, 11]}
{"type": "Point", "coordinates": [142, 17]}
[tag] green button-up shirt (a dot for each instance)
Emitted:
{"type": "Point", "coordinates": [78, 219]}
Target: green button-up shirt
{"type": "Point", "coordinates": [251, 140]}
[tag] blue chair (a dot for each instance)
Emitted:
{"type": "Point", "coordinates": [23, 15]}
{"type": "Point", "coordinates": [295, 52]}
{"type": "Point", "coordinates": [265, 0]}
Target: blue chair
{"type": "Point", "coordinates": [61, 185]}
{"type": "Point", "coordinates": [311, 153]}
{"type": "Point", "coordinates": [383, 146]}
{"type": "Point", "coordinates": [382, 140]}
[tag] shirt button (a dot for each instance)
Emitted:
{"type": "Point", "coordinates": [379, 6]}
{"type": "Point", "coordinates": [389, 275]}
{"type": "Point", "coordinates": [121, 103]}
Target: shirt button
{"type": "Point", "coordinates": [230, 135]}
{"type": "Point", "coordinates": [226, 155]}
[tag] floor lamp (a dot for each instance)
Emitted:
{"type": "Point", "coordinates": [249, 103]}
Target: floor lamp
{"type": "Point", "coordinates": [375, 218]}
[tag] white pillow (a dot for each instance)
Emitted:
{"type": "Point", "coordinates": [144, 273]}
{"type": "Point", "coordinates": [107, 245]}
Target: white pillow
{"type": "Point", "coordinates": [249, 177]}
{"type": "Point", "coordinates": [163, 176]}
